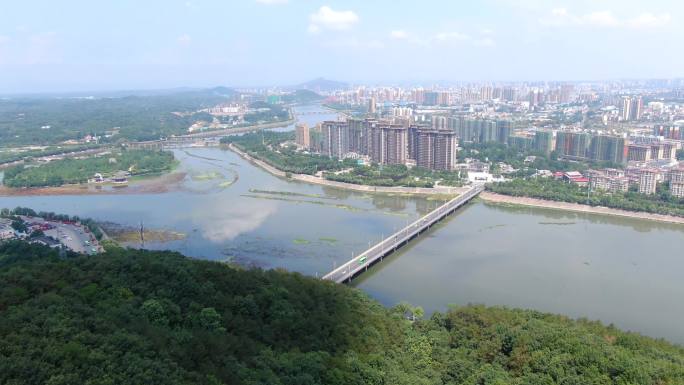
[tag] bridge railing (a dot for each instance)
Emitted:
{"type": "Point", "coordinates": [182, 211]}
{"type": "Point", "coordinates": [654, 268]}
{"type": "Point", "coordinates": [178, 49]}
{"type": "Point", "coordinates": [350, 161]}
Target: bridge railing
{"type": "Point", "coordinates": [356, 264]}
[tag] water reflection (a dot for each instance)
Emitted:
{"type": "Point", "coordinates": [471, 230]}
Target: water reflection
{"type": "Point", "coordinates": [569, 263]}
{"type": "Point", "coordinates": [222, 220]}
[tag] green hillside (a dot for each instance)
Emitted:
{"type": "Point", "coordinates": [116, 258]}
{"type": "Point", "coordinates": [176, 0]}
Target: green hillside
{"type": "Point", "coordinates": [138, 317]}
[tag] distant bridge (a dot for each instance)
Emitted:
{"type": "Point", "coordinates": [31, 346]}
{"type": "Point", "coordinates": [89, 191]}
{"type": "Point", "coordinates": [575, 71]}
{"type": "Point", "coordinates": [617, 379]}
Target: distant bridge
{"type": "Point", "coordinates": [205, 138]}
{"type": "Point", "coordinates": [175, 142]}
{"type": "Point", "coordinates": [301, 113]}
{"type": "Point", "coordinates": [363, 261]}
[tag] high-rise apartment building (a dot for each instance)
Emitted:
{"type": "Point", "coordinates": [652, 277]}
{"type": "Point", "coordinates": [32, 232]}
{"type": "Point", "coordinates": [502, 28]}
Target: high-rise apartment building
{"type": "Point", "coordinates": [503, 130]}
{"type": "Point", "coordinates": [335, 139]}
{"type": "Point", "coordinates": [648, 181]}
{"type": "Point", "coordinates": [488, 131]}
{"type": "Point", "coordinates": [372, 107]}
{"type": "Point", "coordinates": [632, 108]}
{"type": "Point", "coordinates": [302, 135]}
{"type": "Point", "coordinates": [677, 181]}
{"type": "Point", "coordinates": [431, 99]}
{"type": "Point", "coordinates": [436, 149]}
{"type": "Point", "coordinates": [566, 91]}
{"type": "Point", "coordinates": [486, 93]}
{"type": "Point", "coordinates": [521, 142]}
{"type": "Point", "coordinates": [396, 137]}
{"type": "Point", "coordinates": [412, 152]}
{"type": "Point", "coordinates": [607, 148]}
{"type": "Point", "coordinates": [439, 122]}
{"type": "Point", "coordinates": [543, 142]}
{"type": "Point", "coordinates": [572, 145]}
{"type": "Point", "coordinates": [357, 132]}
{"type": "Point", "coordinates": [388, 143]}
{"type": "Point", "coordinates": [638, 152]}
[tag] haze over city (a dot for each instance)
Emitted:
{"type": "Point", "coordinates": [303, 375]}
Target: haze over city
{"type": "Point", "coordinates": [48, 46]}
{"type": "Point", "coordinates": [329, 192]}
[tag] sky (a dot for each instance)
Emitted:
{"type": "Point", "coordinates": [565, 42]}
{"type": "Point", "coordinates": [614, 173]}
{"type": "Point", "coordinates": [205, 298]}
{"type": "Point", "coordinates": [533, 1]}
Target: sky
{"type": "Point", "coordinates": [73, 45]}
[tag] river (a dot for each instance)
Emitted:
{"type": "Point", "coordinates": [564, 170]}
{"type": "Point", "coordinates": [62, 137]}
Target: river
{"type": "Point", "coordinates": [618, 270]}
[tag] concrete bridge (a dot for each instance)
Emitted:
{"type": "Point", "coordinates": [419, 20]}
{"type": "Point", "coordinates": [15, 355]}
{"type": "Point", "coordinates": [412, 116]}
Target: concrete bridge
{"type": "Point", "coordinates": [360, 263]}
{"type": "Point", "coordinates": [175, 142]}
{"type": "Point", "coordinates": [326, 112]}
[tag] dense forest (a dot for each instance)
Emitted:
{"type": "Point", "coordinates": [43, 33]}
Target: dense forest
{"type": "Point", "coordinates": [152, 317]}
{"type": "Point", "coordinates": [545, 188]}
{"type": "Point", "coordinates": [45, 121]}
{"type": "Point", "coordinates": [71, 171]}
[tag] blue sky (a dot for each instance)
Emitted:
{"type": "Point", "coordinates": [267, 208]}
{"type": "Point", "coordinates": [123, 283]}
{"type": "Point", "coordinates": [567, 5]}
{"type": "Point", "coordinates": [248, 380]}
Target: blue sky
{"type": "Point", "coordinates": [72, 45]}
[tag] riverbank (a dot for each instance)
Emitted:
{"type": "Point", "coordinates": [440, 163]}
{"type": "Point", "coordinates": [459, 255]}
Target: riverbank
{"type": "Point", "coordinates": [143, 185]}
{"type": "Point", "coordinates": [495, 198]}
{"type": "Point", "coordinates": [439, 190]}
{"type": "Point", "coordinates": [240, 130]}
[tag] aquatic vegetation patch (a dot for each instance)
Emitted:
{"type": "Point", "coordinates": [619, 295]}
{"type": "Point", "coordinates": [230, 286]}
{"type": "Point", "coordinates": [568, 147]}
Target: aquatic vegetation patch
{"type": "Point", "coordinates": [291, 193]}
{"type": "Point", "coordinates": [208, 176]}
{"type": "Point", "coordinates": [557, 223]}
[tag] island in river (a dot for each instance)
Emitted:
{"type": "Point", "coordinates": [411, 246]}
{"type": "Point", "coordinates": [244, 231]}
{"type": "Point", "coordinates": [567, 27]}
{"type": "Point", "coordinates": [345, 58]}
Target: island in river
{"type": "Point", "coordinates": [115, 165]}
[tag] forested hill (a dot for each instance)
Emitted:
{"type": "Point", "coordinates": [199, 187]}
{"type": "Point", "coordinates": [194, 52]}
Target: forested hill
{"type": "Point", "coordinates": [136, 317]}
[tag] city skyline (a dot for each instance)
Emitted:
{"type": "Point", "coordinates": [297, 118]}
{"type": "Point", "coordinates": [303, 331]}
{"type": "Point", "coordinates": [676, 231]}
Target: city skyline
{"type": "Point", "coordinates": [70, 47]}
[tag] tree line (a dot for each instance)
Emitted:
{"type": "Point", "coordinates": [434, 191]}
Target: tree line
{"type": "Point", "coordinates": [154, 317]}
{"type": "Point", "coordinates": [550, 189]}
{"type": "Point", "coordinates": [73, 171]}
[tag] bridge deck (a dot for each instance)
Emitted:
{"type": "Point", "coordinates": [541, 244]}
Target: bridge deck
{"type": "Point", "coordinates": [388, 245]}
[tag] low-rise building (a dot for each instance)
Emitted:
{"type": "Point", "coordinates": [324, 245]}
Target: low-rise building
{"type": "Point", "coordinates": [576, 178]}
{"type": "Point", "coordinates": [608, 180]}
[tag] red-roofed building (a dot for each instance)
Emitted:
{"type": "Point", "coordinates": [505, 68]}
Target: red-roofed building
{"type": "Point", "coordinates": [576, 178]}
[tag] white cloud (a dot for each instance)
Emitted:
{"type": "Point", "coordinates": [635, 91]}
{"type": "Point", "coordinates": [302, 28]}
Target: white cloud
{"type": "Point", "coordinates": [600, 19]}
{"type": "Point", "coordinates": [398, 34]}
{"type": "Point", "coordinates": [271, 2]}
{"type": "Point", "coordinates": [184, 39]}
{"type": "Point", "coordinates": [4, 39]}
{"type": "Point", "coordinates": [648, 20]}
{"type": "Point", "coordinates": [560, 17]}
{"type": "Point", "coordinates": [450, 36]}
{"type": "Point", "coordinates": [327, 18]}
{"type": "Point", "coordinates": [221, 222]}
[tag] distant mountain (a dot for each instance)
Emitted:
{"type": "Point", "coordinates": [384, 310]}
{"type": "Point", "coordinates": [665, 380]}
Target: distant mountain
{"type": "Point", "coordinates": [303, 96]}
{"type": "Point", "coordinates": [321, 85]}
{"type": "Point", "coordinates": [223, 91]}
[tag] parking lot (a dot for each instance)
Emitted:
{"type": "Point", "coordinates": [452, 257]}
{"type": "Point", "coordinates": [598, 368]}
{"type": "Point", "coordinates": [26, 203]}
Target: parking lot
{"type": "Point", "coordinates": [75, 237]}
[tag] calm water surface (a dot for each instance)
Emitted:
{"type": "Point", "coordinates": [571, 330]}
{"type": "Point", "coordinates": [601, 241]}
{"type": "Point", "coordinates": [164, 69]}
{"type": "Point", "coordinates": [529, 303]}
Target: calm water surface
{"type": "Point", "coordinates": [621, 271]}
